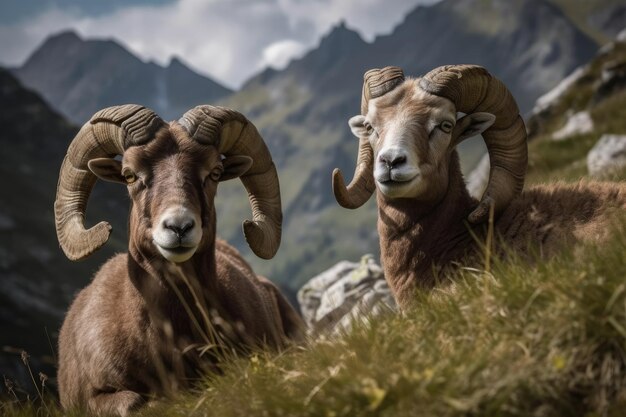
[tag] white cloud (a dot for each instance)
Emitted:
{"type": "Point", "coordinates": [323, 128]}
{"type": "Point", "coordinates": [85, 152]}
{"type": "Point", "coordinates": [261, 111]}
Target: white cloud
{"type": "Point", "coordinates": [229, 40]}
{"type": "Point", "coordinates": [279, 54]}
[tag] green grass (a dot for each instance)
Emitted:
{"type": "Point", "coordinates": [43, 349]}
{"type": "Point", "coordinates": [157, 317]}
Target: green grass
{"type": "Point", "coordinates": [546, 340]}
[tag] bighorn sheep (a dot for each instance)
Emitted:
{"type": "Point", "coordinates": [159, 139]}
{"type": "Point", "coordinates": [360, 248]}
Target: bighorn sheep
{"type": "Point", "coordinates": [408, 132]}
{"type": "Point", "coordinates": [136, 332]}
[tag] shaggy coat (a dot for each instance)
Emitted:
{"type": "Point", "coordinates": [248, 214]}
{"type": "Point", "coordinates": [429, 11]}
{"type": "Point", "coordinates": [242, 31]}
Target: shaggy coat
{"type": "Point", "coordinates": [420, 242]}
{"type": "Point", "coordinates": [427, 221]}
{"type": "Point", "coordinates": [147, 326]}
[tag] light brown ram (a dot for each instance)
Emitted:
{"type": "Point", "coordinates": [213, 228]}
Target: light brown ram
{"type": "Point", "coordinates": [138, 330]}
{"type": "Point", "coordinates": [408, 132]}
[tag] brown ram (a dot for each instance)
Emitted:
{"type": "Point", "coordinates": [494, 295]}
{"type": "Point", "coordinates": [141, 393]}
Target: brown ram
{"type": "Point", "coordinates": [138, 330]}
{"type": "Point", "coordinates": [408, 132]}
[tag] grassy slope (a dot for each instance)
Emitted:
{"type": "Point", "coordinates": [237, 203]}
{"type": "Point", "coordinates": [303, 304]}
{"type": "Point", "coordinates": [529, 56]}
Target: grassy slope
{"type": "Point", "coordinates": [547, 340]}
{"type": "Point", "coordinates": [543, 340]}
{"type": "Point", "coordinates": [550, 160]}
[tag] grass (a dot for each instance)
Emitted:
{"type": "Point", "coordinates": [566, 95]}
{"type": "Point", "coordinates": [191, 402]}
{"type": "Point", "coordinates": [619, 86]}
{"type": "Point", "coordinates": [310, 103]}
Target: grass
{"type": "Point", "coordinates": [546, 339]}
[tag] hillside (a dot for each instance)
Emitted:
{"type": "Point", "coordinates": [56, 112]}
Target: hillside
{"type": "Point", "coordinates": [600, 19]}
{"type": "Point", "coordinates": [79, 77]}
{"type": "Point", "coordinates": [597, 89]}
{"type": "Point", "coordinates": [302, 111]}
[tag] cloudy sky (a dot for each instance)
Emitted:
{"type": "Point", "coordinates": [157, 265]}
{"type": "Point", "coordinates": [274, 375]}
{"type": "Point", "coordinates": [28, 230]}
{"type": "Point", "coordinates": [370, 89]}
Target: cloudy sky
{"type": "Point", "coordinates": [228, 40]}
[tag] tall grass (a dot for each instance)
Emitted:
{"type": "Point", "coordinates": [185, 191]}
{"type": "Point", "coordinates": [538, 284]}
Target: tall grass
{"type": "Point", "coordinates": [541, 340]}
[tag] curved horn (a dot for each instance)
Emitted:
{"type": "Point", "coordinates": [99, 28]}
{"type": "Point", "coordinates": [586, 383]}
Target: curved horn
{"type": "Point", "coordinates": [376, 82]}
{"type": "Point", "coordinates": [109, 132]}
{"type": "Point", "coordinates": [472, 89]}
{"type": "Point", "coordinates": [233, 134]}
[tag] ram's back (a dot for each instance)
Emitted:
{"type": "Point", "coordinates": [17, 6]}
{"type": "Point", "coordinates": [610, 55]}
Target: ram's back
{"type": "Point", "coordinates": [547, 218]}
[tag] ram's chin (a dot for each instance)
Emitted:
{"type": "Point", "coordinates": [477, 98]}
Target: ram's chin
{"type": "Point", "coordinates": [177, 255]}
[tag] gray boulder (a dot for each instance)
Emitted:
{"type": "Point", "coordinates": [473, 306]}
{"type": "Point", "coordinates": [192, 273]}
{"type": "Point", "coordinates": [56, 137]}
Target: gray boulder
{"type": "Point", "coordinates": [347, 292]}
{"type": "Point", "coordinates": [607, 156]}
{"type": "Point", "coordinates": [577, 124]}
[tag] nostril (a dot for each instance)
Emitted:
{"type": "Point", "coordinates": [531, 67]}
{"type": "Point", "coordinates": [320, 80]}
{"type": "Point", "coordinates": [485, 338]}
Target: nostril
{"type": "Point", "coordinates": [399, 160]}
{"type": "Point", "coordinates": [186, 227]}
{"type": "Point", "coordinates": [179, 229]}
{"type": "Point", "coordinates": [392, 159]}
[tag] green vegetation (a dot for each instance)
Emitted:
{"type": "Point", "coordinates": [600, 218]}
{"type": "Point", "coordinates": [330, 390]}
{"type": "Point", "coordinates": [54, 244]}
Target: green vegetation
{"type": "Point", "coordinates": [547, 339]}
{"type": "Point", "coordinates": [550, 339]}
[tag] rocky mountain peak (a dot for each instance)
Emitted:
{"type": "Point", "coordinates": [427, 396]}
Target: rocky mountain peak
{"type": "Point", "coordinates": [79, 77]}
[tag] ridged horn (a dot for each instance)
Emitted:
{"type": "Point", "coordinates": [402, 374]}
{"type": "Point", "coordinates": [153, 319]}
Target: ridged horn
{"type": "Point", "coordinates": [472, 89]}
{"type": "Point", "coordinates": [107, 134]}
{"type": "Point", "coordinates": [233, 134]}
{"type": "Point", "coordinates": [376, 83]}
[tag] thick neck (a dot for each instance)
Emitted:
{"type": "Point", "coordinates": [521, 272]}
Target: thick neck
{"type": "Point", "coordinates": [171, 291]}
{"type": "Point", "coordinates": [418, 236]}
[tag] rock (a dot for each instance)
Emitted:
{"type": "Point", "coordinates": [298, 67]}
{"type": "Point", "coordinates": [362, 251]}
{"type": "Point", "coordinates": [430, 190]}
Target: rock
{"type": "Point", "coordinates": [552, 96]}
{"type": "Point", "coordinates": [607, 156]}
{"type": "Point", "coordinates": [612, 80]}
{"type": "Point", "coordinates": [577, 124]}
{"type": "Point", "coordinates": [332, 301]}
{"type": "Point", "coordinates": [479, 177]}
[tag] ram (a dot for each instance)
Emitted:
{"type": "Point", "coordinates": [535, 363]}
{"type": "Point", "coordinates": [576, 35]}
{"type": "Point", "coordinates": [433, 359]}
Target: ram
{"type": "Point", "coordinates": [427, 222]}
{"type": "Point", "coordinates": [151, 319]}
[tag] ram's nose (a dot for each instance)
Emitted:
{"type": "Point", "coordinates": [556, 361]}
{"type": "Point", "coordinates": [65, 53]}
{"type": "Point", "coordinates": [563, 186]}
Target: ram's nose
{"type": "Point", "coordinates": [392, 157]}
{"type": "Point", "coordinates": [179, 225]}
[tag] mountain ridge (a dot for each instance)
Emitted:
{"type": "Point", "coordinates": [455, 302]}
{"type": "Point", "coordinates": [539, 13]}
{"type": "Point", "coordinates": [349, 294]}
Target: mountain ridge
{"type": "Point", "coordinates": [79, 77]}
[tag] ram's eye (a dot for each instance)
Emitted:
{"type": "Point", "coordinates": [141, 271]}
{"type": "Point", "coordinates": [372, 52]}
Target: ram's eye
{"type": "Point", "coordinates": [368, 128]}
{"type": "Point", "coordinates": [446, 126]}
{"type": "Point", "coordinates": [129, 175]}
{"type": "Point", "coordinates": [215, 175]}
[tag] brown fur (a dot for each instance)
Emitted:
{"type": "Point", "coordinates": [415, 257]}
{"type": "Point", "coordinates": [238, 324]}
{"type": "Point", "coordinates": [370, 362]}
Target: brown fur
{"type": "Point", "coordinates": [131, 335]}
{"type": "Point", "coordinates": [423, 237]}
{"type": "Point", "coordinates": [420, 241]}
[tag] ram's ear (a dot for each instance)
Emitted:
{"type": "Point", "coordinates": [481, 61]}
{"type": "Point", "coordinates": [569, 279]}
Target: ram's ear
{"type": "Point", "coordinates": [471, 125]}
{"type": "Point", "coordinates": [357, 125]}
{"type": "Point", "coordinates": [235, 166]}
{"type": "Point", "coordinates": [107, 169]}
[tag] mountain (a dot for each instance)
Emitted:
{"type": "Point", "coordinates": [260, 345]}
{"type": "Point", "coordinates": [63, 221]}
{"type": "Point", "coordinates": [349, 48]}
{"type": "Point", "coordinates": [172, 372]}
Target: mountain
{"type": "Point", "coordinates": [37, 282]}
{"type": "Point", "coordinates": [600, 19]}
{"type": "Point", "coordinates": [302, 111]}
{"type": "Point", "coordinates": [79, 77]}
